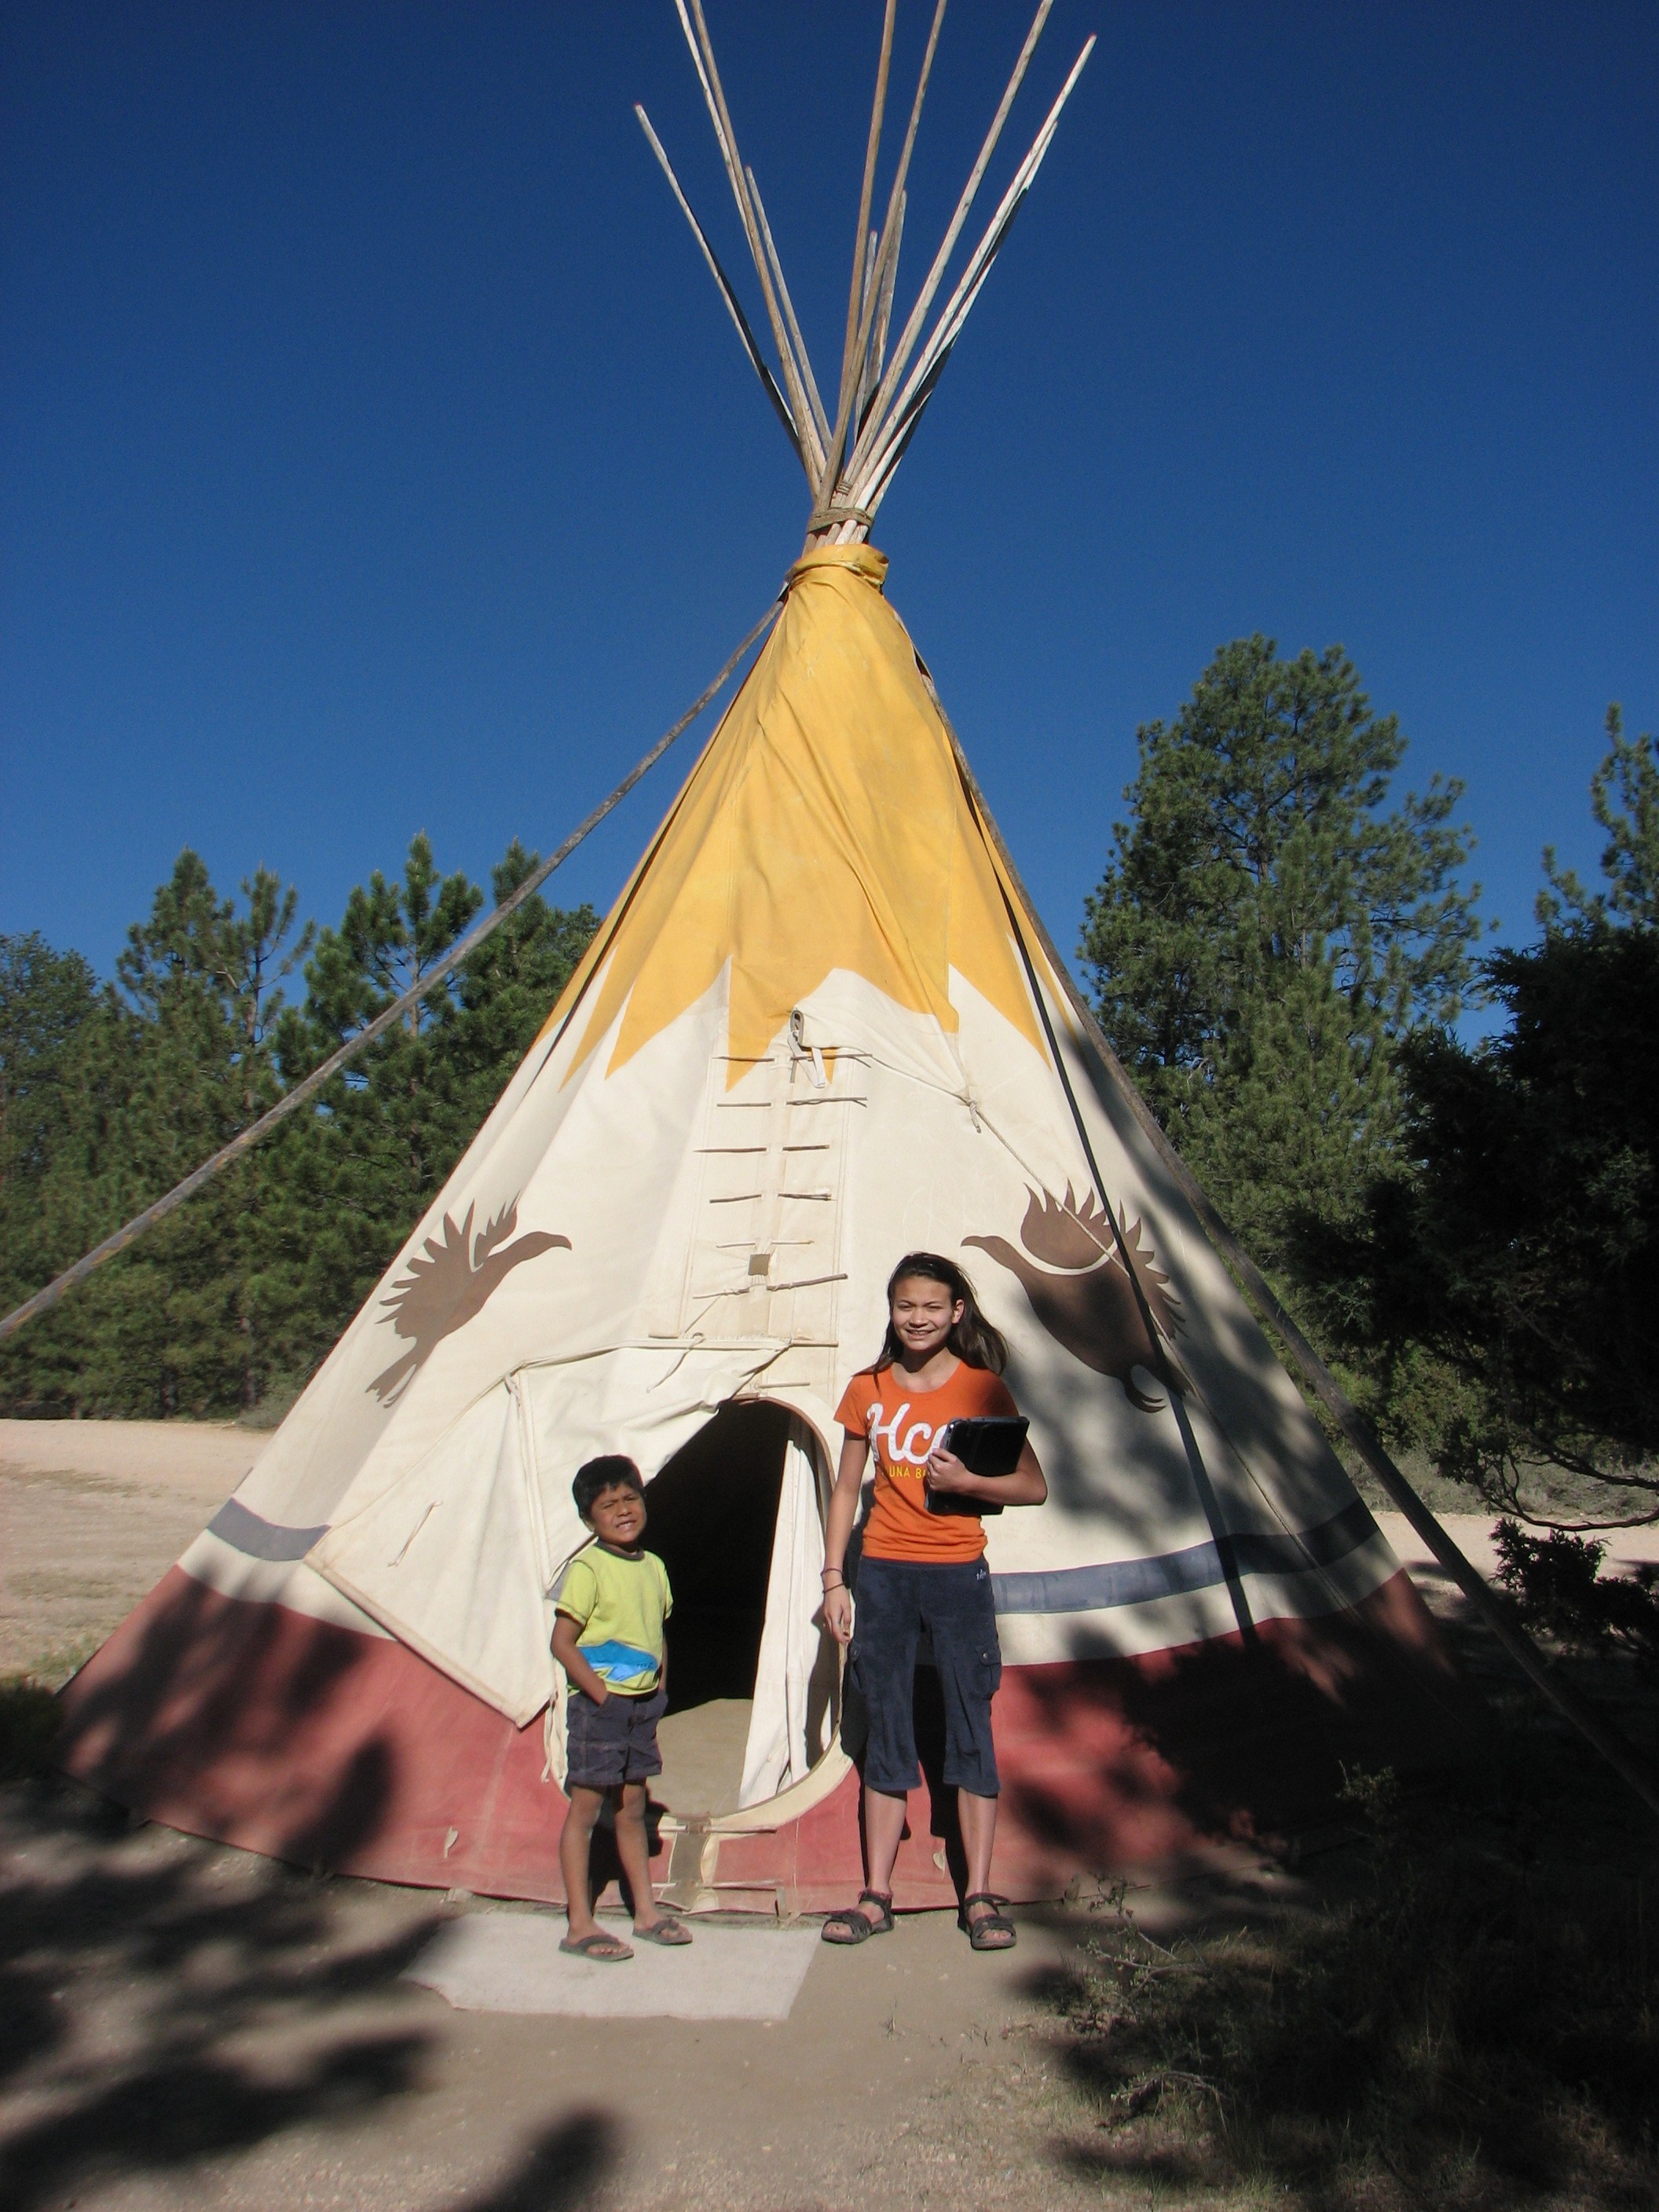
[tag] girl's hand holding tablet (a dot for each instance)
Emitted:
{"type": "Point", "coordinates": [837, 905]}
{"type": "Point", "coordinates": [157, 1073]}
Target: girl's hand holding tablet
{"type": "Point", "coordinates": [946, 1472]}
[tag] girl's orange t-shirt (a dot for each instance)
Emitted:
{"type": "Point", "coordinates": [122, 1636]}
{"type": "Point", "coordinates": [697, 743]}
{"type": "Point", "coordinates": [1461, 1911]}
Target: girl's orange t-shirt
{"type": "Point", "coordinates": [902, 1423]}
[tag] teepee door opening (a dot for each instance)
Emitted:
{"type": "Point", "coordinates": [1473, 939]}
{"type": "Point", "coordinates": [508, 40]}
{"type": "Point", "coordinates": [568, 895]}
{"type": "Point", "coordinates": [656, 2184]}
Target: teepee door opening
{"type": "Point", "coordinates": [735, 1515]}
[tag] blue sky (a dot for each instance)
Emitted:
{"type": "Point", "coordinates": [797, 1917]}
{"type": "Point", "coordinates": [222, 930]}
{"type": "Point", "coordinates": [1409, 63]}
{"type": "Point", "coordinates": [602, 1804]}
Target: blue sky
{"type": "Point", "coordinates": [376, 455]}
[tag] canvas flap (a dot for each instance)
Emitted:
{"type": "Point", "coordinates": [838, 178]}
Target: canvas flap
{"type": "Point", "coordinates": [445, 1558]}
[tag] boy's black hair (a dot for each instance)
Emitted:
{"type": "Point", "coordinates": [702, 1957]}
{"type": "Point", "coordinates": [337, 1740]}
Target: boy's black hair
{"type": "Point", "coordinates": [598, 1475]}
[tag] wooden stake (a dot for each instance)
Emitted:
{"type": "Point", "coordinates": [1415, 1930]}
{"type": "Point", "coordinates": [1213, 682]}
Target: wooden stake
{"type": "Point", "coordinates": [726, 138]}
{"type": "Point", "coordinates": [757, 359]}
{"type": "Point", "coordinates": [820, 420]}
{"type": "Point", "coordinates": [918, 313]}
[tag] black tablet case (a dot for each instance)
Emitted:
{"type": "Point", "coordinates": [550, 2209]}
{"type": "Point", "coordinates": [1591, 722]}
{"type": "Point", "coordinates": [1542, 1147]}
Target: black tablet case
{"type": "Point", "coordinates": [989, 1444]}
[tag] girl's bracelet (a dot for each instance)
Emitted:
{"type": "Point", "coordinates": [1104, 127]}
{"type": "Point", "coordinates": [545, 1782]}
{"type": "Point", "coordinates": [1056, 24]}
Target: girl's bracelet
{"type": "Point", "coordinates": [840, 1583]}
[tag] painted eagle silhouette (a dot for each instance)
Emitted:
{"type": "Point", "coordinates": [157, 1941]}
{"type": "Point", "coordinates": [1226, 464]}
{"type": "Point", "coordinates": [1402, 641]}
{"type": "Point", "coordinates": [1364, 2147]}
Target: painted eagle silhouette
{"type": "Point", "coordinates": [1091, 1309]}
{"type": "Point", "coordinates": [441, 1292]}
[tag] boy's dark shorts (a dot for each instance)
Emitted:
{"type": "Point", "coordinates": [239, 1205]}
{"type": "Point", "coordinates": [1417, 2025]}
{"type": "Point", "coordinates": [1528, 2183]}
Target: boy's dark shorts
{"type": "Point", "coordinates": [896, 1600]}
{"type": "Point", "coordinates": [608, 1744]}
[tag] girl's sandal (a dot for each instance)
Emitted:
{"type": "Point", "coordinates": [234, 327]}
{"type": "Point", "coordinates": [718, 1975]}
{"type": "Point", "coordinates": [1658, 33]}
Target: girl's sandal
{"type": "Point", "coordinates": [855, 1927]}
{"type": "Point", "coordinates": [606, 1950]}
{"type": "Point", "coordinates": [992, 1931]}
{"type": "Point", "coordinates": [667, 1931]}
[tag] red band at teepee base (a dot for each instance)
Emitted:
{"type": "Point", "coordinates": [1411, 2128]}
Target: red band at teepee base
{"type": "Point", "coordinates": [256, 1726]}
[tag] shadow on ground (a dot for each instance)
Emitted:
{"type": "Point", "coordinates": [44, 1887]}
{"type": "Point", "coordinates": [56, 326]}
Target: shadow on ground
{"type": "Point", "coordinates": [166, 2004]}
{"type": "Point", "coordinates": [1470, 2021]}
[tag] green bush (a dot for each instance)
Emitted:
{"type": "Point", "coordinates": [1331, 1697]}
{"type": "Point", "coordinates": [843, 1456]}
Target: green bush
{"type": "Point", "coordinates": [1558, 1585]}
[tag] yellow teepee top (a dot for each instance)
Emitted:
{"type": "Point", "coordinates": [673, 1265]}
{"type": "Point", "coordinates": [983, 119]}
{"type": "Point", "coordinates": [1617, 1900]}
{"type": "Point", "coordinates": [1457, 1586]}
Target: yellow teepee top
{"type": "Point", "coordinates": [826, 827]}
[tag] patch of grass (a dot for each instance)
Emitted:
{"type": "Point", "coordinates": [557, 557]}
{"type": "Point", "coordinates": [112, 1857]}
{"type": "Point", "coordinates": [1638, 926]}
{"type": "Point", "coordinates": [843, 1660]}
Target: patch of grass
{"type": "Point", "coordinates": [29, 1721]}
{"type": "Point", "coordinates": [51, 1668]}
{"type": "Point", "coordinates": [279, 1400]}
{"type": "Point", "coordinates": [1441, 1493]}
{"type": "Point", "coordinates": [1476, 2027]}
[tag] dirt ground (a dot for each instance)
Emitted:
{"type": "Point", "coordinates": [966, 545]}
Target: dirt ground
{"type": "Point", "coordinates": [190, 2024]}
{"type": "Point", "coordinates": [180, 2023]}
{"type": "Point", "coordinates": [92, 1515]}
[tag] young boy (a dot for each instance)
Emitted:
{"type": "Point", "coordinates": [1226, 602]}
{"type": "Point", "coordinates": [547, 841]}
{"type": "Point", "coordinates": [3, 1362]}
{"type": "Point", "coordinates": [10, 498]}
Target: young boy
{"type": "Point", "coordinates": [607, 1635]}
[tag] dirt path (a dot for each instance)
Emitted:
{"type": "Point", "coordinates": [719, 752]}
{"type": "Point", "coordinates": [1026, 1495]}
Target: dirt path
{"type": "Point", "coordinates": [92, 1515]}
{"type": "Point", "coordinates": [181, 2023]}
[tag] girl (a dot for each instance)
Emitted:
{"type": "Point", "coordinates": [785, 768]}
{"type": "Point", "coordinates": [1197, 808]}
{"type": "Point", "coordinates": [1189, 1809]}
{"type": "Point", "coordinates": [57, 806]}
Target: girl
{"type": "Point", "coordinates": [940, 1362]}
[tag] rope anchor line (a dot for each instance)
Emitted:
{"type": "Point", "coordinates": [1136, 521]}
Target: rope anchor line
{"type": "Point", "coordinates": [291, 1101]}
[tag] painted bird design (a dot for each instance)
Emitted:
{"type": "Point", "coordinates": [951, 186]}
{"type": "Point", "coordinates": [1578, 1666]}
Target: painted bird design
{"type": "Point", "coordinates": [1089, 1307]}
{"type": "Point", "coordinates": [441, 1290]}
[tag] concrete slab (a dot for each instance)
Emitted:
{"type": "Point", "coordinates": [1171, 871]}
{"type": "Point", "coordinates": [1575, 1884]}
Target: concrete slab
{"type": "Point", "coordinates": [511, 1962]}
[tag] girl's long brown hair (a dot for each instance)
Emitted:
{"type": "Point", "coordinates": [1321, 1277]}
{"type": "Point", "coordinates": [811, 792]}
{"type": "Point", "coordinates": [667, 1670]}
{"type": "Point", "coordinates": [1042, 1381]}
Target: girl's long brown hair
{"type": "Point", "coordinates": [972, 1339]}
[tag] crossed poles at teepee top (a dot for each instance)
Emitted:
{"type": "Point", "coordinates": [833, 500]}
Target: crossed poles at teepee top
{"type": "Point", "coordinates": [874, 410]}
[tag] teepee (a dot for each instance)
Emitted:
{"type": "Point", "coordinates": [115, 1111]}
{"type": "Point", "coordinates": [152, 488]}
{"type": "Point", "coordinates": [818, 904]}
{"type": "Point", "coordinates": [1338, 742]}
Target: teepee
{"type": "Point", "coordinates": [821, 1025]}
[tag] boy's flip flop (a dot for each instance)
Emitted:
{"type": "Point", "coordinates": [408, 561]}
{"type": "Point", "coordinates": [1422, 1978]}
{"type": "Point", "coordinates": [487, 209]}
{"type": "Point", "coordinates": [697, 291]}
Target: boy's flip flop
{"type": "Point", "coordinates": [667, 1931]}
{"type": "Point", "coordinates": [607, 1950]}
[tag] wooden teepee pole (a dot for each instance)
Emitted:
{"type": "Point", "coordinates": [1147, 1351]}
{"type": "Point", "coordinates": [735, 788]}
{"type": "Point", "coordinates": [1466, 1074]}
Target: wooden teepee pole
{"type": "Point", "coordinates": [829, 474]}
{"type": "Point", "coordinates": [882, 441]}
{"type": "Point", "coordinates": [918, 314]}
{"type": "Point", "coordinates": [870, 347]}
{"type": "Point", "coordinates": [803, 358]}
{"type": "Point", "coordinates": [751, 345]}
{"type": "Point", "coordinates": [702, 53]}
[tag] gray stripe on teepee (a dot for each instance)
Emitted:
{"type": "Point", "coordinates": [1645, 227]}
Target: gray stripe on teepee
{"type": "Point", "coordinates": [245, 1532]}
{"type": "Point", "coordinates": [1137, 1582]}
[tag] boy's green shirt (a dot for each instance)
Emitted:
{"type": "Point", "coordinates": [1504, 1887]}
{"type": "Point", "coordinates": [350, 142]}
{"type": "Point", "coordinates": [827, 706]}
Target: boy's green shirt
{"type": "Point", "coordinates": [620, 1604]}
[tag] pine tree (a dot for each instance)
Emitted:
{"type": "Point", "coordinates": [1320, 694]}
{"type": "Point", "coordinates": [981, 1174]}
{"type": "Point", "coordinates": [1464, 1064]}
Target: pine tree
{"type": "Point", "coordinates": [1630, 858]}
{"type": "Point", "coordinates": [205, 983]}
{"type": "Point", "coordinates": [507, 989]}
{"type": "Point", "coordinates": [46, 998]}
{"type": "Point", "coordinates": [50, 1004]}
{"type": "Point", "coordinates": [358, 1173]}
{"type": "Point", "coordinates": [1517, 1263]}
{"type": "Point", "coordinates": [1267, 929]}
{"type": "Point", "coordinates": [160, 1071]}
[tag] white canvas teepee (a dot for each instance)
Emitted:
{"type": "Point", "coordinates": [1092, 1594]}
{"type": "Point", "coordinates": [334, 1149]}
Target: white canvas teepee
{"type": "Point", "coordinates": [819, 1028]}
